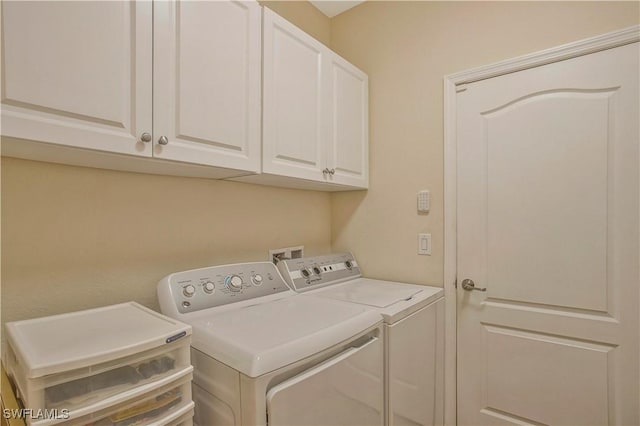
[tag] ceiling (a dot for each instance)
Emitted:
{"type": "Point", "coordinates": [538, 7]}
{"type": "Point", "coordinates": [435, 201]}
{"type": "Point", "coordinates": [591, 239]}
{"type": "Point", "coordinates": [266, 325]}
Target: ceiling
{"type": "Point", "coordinates": [332, 8]}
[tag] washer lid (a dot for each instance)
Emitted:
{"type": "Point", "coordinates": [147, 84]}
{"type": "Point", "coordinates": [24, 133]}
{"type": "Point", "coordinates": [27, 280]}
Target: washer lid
{"type": "Point", "coordinates": [261, 338]}
{"type": "Point", "coordinates": [393, 300]}
{"type": "Point", "coordinates": [73, 340]}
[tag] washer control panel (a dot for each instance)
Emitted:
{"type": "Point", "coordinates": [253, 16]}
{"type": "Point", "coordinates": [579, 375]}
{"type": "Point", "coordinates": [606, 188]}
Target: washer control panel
{"type": "Point", "coordinates": [307, 273]}
{"type": "Point", "coordinates": [191, 291]}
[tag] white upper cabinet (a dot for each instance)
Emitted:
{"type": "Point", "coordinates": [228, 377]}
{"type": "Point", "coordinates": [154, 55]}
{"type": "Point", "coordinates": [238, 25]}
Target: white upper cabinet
{"type": "Point", "coordinates": [348, 139]}
{"type": "Point", "coordinates": [294, 104]}
{"type": "Point", "coordinates": [206, 80]}
{"type": "Point", "coordinates": [94, 75]}
{"type": "Point", "coordinates": [78, 73]}
{"type": "Point", "coordinates": [315, 110]}
{"type": "Point", "coordinates": [219, 89]}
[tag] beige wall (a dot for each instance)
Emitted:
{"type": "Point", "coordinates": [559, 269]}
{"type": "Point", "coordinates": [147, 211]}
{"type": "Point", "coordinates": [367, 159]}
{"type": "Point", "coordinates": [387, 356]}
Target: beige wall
{"type": "Point", "coordinates": [75, 238]}
{"type": "Point", "coordinates": [407, 48]}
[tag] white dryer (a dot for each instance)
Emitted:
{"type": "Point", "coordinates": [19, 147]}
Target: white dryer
{"type": "Point", "coordinates": [413, 330]}
{"type": "Point", "coordinates": [263, 354]}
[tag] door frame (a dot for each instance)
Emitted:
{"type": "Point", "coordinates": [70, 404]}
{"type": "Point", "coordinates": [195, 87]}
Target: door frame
{"type": "Point", "coordinates": [454, 83]}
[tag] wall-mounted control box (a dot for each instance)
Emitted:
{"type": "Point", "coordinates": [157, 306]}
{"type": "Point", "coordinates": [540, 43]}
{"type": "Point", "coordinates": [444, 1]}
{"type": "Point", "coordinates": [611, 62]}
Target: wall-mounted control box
{"type": "Point", "coordinates": [424, 201]}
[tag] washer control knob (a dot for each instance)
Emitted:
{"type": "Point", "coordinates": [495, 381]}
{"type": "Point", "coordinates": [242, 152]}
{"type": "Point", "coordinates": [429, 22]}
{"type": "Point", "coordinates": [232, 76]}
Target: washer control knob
{"type": "Point", "coordinates": [209, 287]}
{"type": "Point", "coordinates": [233, 282]}
{"type": "Point", "coordinates": [257, 279]}
{"type": "Point", "coordinates": [348, 264]}
{"type": "Point", "coordinates": [305, 272]}
{"type": "Point", "coordinates": [189, 290]}
{"type": "Point", "coordinates": [316, 270]}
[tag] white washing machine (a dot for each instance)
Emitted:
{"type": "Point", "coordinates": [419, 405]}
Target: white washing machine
{"type": "Point", "coordinates": [263, 354]}
{"type": "Point", "coordinates": [413, 330]}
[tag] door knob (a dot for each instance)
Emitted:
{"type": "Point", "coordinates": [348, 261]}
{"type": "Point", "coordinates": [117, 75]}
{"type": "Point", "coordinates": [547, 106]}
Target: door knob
{"type": "Point", "coordinates": [469, 285]}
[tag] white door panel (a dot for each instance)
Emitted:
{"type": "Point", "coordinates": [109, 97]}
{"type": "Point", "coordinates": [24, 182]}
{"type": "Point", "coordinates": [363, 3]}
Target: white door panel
{"type": "Point", "coordinates": [294, 104]}
{"type": "Point", "coordinates": [348, 124]}
{"type": "Point", "coordinates": [86, 83]}
{"type": "Point", "coordinates": [547, 222]}
{"type": "Point", "coordinates": [554, 380]}
{"type": "Point", "coordinates": [207, 82]}
{"type": "Point", "coordinates": [555, 170]}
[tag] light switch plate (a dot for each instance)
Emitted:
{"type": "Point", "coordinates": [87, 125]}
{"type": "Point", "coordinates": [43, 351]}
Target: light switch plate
{"type": "Point", "coordinates": [424, 244]}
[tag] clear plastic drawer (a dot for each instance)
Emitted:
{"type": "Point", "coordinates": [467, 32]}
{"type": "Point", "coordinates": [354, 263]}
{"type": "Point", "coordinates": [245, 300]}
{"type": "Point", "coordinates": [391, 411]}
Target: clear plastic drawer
{"type": "Point", "coordinates": [73, 390]}
{"type": "Point", "coordinates": [161, 406]}
{"type": "Point", "coordinates": [184, 417]}
{"type": "Point", "coordinates": [157, 403]}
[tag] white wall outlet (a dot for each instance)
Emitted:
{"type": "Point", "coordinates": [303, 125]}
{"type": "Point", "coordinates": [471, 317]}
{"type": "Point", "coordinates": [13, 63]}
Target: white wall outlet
{"type": "Point", "coordinates": [424, 244]}
{"type": "Point", "coordinates": [276, 255]}
{"type": "Point", "coordinates": [424, 201]}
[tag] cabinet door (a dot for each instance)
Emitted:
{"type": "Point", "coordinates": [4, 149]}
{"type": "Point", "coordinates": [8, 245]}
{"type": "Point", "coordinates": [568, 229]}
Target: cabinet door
{"type": "Point", "coordinates": [78, 73]}
{"type": "Point", "coordinates": [348, 140]}
{"type": "Point", "coordinates": [206, 82]}
{"type": "Point", "coordinates": [294, 103]}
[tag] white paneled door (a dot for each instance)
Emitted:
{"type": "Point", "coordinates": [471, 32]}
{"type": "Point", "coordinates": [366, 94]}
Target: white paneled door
{"type": "Point", "coordinates": [547, 223]}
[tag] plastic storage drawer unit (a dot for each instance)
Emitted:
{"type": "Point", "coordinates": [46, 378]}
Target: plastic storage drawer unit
{"type": "Point", "coordinates": [68, 366]}
{"type": "Point", "coordinates": [163, 405]}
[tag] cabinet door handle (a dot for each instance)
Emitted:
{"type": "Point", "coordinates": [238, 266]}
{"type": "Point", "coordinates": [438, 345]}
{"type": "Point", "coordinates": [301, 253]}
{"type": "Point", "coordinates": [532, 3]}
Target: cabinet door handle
{"type": "Point", "coordinates": [163, 140]}
{"type": "Point", "coordinates": [326, 171]}
{"type": "Point", "coordinates": [145, 137]}
{"type": "Point", "coordinates": [332, 171]}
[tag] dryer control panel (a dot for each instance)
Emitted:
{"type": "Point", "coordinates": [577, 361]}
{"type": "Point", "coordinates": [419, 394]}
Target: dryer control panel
{"type": "Point", "coordinates": [308, 273]}
{"type": "Point", "coordinates": [190, 291]}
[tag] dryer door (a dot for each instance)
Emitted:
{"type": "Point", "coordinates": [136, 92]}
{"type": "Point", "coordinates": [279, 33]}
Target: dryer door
{"type": "Point", "coordinates": [346, 389]}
